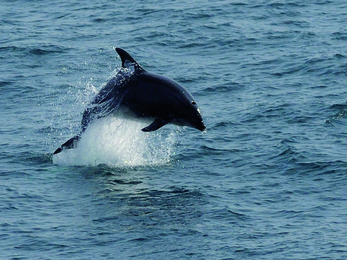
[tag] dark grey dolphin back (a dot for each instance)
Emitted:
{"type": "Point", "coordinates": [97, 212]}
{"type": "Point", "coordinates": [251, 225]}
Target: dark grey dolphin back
{"type": "Point", "coordinates": [108, 100]}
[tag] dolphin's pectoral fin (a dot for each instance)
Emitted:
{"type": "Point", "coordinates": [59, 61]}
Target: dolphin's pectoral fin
{"type": "Point", "coordinates": [157, 123]}
{"type": "Point", "coordinates": [69, 144]}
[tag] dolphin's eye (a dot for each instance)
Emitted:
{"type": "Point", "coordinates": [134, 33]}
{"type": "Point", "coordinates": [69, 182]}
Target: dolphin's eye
{"type": "Point", "coordinates": [193, 102]}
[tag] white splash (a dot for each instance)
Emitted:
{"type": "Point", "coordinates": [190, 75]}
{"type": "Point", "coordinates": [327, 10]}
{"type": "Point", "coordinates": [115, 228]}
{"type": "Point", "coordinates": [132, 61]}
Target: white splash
{"type": "Point", "coordinates": [120, 143]}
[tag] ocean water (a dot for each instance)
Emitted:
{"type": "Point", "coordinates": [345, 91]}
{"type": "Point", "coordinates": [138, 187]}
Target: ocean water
{"type": "Point", "coordinates": [267, 180]}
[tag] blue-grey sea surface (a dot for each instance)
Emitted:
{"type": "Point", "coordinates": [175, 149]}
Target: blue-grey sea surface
{"type": "Point", "coordinates": [267, 180]}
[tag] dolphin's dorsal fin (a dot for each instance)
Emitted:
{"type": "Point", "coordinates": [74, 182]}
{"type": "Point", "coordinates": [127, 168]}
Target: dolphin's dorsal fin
{"type": "Point", "coordinates": [128, 61]}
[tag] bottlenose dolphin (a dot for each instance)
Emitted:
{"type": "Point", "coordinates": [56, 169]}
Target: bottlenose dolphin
{"type": "Point", "coordinates": [137, 94]}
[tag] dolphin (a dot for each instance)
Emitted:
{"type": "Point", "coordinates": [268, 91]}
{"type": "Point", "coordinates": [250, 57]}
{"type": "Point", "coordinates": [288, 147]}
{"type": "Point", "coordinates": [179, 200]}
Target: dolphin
{"type": "Point", "coordinates": [137, 94]}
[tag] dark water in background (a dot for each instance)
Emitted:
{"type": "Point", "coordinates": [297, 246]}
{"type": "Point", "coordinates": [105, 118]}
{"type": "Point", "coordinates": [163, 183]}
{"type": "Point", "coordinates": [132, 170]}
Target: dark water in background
{"type": "Point", "coordinates": [267, 179]}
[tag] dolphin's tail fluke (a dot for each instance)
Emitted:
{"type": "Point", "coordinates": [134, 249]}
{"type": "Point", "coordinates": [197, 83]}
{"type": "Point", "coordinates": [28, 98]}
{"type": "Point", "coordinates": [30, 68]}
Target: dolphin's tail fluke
{"type": "Point", "coordinates": [69, 144]}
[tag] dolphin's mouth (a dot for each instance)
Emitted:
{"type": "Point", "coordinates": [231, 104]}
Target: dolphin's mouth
{"type": "Point", "coordinates": [201, 126]}
{"type": "Point", "coordinates": [198, 124]}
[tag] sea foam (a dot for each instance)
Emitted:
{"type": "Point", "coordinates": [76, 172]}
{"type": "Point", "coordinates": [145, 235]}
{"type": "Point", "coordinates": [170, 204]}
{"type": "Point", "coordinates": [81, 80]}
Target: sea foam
{"type": "Point", "coordinates": [121, 143]}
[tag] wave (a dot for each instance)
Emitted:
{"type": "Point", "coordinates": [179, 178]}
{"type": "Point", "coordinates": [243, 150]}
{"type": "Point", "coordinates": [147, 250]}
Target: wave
{"type": "Point", "coordinates": [34, 50]}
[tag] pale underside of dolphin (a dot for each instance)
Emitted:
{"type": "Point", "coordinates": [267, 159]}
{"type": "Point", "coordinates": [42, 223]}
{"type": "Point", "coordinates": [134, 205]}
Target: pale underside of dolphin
{"type": "Point", "coordinates": [137, 94]}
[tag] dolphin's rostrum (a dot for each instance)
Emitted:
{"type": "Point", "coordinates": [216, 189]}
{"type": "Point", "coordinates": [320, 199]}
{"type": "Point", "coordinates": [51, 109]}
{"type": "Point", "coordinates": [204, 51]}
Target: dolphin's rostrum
{"type": "Point", "coordinates": [135, 93]}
